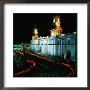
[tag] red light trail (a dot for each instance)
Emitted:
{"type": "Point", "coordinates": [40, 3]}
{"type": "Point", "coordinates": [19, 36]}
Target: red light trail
{"type": "Point", "coordinates": [21, 73]}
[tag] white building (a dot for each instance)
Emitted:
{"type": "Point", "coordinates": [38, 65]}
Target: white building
{"type": "Point", "coordinates": [63, 45]}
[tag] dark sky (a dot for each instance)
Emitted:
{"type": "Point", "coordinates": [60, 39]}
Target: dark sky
{"type": "Point", "coordinates": [24, 23]}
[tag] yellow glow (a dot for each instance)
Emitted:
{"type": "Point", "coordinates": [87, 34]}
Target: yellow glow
{"type": "Point", "coordinates": [74, 32]}
{"type": "Point", "coordinates": [54, 20]}
{"type": "Point", "coordinates": [58, 29]}
{"type": "Point", "coordinates": [57, 23]}
{"type": "Point", "coordinates": [35, 31]}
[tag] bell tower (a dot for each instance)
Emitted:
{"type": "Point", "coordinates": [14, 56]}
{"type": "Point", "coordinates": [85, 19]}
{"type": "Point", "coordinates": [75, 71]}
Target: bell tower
{"type": "Point", "coordinates": [58, 28]}
{"type": "Point", "coordinates": [35, 32]}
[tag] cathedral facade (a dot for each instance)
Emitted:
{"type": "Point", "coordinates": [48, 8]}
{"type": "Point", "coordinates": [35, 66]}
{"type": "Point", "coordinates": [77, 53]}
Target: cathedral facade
{"type": "Point", "coordinates": [57, 44]}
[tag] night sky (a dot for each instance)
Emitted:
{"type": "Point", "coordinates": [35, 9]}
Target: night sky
{"type": "Point", "coordinates": [24, 23]}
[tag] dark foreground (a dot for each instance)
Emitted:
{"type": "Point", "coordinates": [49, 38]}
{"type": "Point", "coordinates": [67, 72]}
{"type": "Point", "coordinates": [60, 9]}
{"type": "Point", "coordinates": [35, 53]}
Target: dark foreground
{"type": "Point", "coordinates": [27, 64]}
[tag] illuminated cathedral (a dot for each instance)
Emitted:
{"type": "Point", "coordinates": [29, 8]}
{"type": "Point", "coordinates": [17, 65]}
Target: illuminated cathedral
{"type": "Point", "coordinates": [57, 44]}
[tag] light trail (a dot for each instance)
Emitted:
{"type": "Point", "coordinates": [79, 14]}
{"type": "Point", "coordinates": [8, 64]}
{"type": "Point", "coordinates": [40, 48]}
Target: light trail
{"type": "Point", "coordinates": [21, 73]}
{"type": "Point", "coordinates": [42, 58]}
{"type": "Point", "coordinates": [69, 66]}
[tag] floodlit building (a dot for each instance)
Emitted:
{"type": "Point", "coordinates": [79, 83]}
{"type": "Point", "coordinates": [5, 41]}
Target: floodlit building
{"type": "Point", "coordinates": [57, 44]}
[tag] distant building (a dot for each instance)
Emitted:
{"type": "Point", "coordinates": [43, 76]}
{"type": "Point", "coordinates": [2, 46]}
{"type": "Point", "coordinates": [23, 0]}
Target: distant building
{"type": "Point", "coordinates": [57, 44]}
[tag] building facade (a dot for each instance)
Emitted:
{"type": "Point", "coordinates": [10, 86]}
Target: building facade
{"type": "Point", "coordinates": [61, 45]}
{"type": "Point", "coordinates": [57, 44]}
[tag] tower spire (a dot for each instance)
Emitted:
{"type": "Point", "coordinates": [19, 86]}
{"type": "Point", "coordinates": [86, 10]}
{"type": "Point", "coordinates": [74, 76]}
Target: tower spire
{"type": "Point", "coordinates": [35, 32]}
{"type": "Point", "coordinates": [58, 28]}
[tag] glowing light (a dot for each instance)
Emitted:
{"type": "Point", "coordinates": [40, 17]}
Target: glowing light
{"type": "Point", "coordinates": [54, 20]}
{"type": "Point", "coordinates": [35, 33]}
{"type": "Point", "coordinates": [44, 37]}
{"type": "Point", "coordinates": [62, 34]}
{"type": "Point", "coordinates": [52, 33]}
{"type": "Point", "coordinates": [74, 32]}
{"type": "Point", "coordinates": [47, 36]}
{"type": "Point", "coordinates": [36, 41]}
{"type": "Point", "coordinates": [58, 29]}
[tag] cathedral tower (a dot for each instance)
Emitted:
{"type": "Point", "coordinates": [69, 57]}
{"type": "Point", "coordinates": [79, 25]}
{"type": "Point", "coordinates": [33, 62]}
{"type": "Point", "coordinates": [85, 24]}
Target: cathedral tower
{"type": "Point", "coordinates": [58, 28]}
{"type": "Point", "coordinates": [35, 32]}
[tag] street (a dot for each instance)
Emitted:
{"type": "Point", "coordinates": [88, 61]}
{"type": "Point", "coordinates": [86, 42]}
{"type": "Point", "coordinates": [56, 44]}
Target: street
{"type": "Point", "coordinates": [35, 65]}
